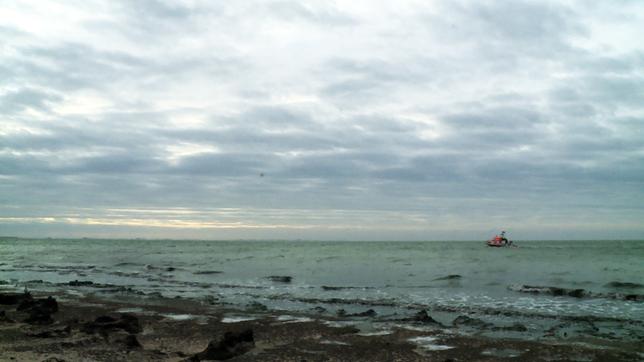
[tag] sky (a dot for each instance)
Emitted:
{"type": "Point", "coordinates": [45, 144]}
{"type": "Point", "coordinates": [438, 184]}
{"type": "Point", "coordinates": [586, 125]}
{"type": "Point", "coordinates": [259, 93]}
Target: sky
{"type": "Point", "coordinates": [323, 120]}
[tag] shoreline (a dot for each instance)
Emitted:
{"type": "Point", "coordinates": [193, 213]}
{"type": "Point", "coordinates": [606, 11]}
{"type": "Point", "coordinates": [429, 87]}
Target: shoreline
{"type": "Point", "coordinates": [178, 329]}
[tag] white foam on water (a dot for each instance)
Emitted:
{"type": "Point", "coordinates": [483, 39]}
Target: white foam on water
{"type": "Point", "coordinates": [338, 324]}
{"type": "Point", "coordinates": [337, 343]}
{"type": "Point", "coordinates": [413, 328]}
{"type": "Point", "coordinates": [377, 333]}
{"type": "Point", "coordinates": [129, 310]}
{"type": "Point", "coordinates": [293, 319]}
{"type": "Point", "coordinates": [422, 339]}
{"type": "Point", "coordinates": [75, 293]}
{"type": "Point", "coordinates": [179, 317]}
{"type": "Point", "coordinates": [237, 319]}
{"type": "Point", "coordinates": [425, 342]}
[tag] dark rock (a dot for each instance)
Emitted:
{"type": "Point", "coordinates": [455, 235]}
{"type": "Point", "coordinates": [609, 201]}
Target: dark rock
{"type": "Point", "coordinates": [464, 320]}
{"type": "Point", "coordinates": [422, 317]}
{"type": "Point", "coordinates": [280, 278]}
{"type": "Point", "coordinates": [257, 306]}
{"type": "Point", "coordinates": [4, 318]}
{"type": "Point", "coordinates": [318, 309]}
{"type": "Point", "coordinates": [39, 317]}
{"type": "Point", "coordinates": [576, 293]}
{"type": "Point", "coordinates": [231, 345]}
{"type": "Point", "coordinates": [131, 342]}
{"type": "Point", "coordinates": [80, 283]}
{"type": "Point", "coordinates": [326, 287]}
{"type": "Point", "coordinates": [54, 359]}
{"type": "Point", "coordinates": [634, 297]}
{"type": "Point", "coordinates": [555, 291]}
{"type": "Point", "coordinates": [128, 342]}
{"type": "Point", "coordinates": [624, 285]}
{"type": "Point", "coordinates": [14, 298]}
{"type": "Point", "coordinates": [40, 310]}
{"type": "Point", "coordinates": [52, 333]}
{"type": "Point", "coordinates": [344, 330]}
{"type": "Point", "coordinates": [170, 269]}
{"type": "Point", "coordinates": [207, 272]}
{"type": "Point", "coordinates": [367, 313]}
{"type": "Point", "coordinates": [48, 305]}
{"type": "Point", "coordinates": [449, 277]}
{"type": "Point", "coordinates": [341, 312]}
{"type": "Point", "coordinates": [211, 299]}
{"type": "Point", "coordinates": [106, 324]}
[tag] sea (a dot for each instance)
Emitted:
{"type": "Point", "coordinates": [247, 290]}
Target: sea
{"type": "Point", "coordinates": [552, 288]}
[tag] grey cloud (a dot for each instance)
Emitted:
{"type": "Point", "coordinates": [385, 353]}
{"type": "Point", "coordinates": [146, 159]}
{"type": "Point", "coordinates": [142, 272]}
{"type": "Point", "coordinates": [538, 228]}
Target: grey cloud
{"type": "Point", "coordinates": [74, 66]}
{"type": "Point", "coordinates": [16, 101]}
{"type": "Point", "coordinates": [532, 26]}
{"type": "Point", "coordinates": [481, 111]}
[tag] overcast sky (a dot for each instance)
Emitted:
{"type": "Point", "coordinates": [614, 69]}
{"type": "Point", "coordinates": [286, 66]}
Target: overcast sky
{"type": "Point", "coordinates": [400, 120]}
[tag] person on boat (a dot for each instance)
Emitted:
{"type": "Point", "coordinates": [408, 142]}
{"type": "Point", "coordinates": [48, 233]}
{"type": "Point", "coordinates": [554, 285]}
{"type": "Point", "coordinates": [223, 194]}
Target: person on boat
{"type": "Point", "coordinates": [503, 238]}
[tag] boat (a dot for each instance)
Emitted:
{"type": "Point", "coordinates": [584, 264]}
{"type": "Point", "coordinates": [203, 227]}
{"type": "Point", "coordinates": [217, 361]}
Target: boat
{"type": "Point", "coordinates": [499, 241]}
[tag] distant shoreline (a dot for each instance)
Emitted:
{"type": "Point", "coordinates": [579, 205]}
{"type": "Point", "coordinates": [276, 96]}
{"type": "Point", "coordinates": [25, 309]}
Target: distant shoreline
{"type": "Point", "coordinates": [11, 237]}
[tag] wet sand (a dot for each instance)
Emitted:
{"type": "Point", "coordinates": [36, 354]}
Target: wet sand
{"type": "Point", "coordinates": [178, 329]}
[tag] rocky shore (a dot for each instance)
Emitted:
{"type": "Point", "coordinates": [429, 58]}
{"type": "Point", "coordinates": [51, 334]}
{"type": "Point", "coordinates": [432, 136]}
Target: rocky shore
{"type": "Point", "coordinates": [64, 327]}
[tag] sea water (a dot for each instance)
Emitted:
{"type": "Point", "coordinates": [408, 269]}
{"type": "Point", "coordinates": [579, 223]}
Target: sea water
{"type": "Point", "coordinates": [390, 277]}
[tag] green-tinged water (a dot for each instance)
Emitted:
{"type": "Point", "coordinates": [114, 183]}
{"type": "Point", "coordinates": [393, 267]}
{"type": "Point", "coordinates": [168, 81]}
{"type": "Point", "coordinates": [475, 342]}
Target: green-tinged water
{"type": "Point", "coordinates": [400, 272]}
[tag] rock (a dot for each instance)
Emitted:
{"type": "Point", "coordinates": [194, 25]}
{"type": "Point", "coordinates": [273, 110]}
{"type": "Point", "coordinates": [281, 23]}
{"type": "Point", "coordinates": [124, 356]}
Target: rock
{"type": "Point", "coordinates": [367, 313]}
{"type": "Point", "coordinates": [318, 309]}
{"type": "Point", "coordinates": [106, 324]}
{"type": "Point", "coordinates": [47, 305]}
{"type": "Point", "coordinates": [40, 310]}
{"type": "Point", "coordinates": [80, 283]}
{"type": "Point", "coordinates": [471, 322]}
{"type": "Point", "coordinates": [345, 330]}
{"type": "Point", "coordinates": [257, 306]}
{"type": "Point", "coordinates": [4, 318]}
{"type": "Point", "coordinates": [14, 298]}
{"type": "Point", "coordinates": [211, 299]}
{"type": "Point", "coordinates": [624, 285]}
{"type": "Point", "coordinates": [422, 317]}
{"type": "Point", "coordinates": [54, 359]}
{"type": "Point", "coordinates": [449, 277]}
{"type": "Point", "coordinates": [207, 272]}
{"type": "Point", "coordinates": [555, 291]}
{"type": "Point", "coordinates": [576, 293]}
{"type": "Point", "coordinates": [327, 287]}
{"type": "Point", "coordinates": [280, 278]}
{"type": "Point", "coordinates": [341, 313]}
{"type": "Point", "coordinates": [634, 297]}
{"type": "Point", "coordinates": [128, 342]}
{"type": "Point", "coordinates": [39, 317]}
{"type": "Point", "coordinates": [52, 333]}
{"type": "Point", "coordinates": [231, 345]}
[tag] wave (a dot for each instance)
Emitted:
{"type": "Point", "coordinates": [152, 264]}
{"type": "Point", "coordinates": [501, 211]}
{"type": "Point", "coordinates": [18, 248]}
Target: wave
{"type": "Point", "coordinates": [331, 287]}
{"type": "Point", "coordinates": [574, 293]}
{"type": "Point", "coordinates": [624, 285]}
{"type": "Point", "coordinates": [207, 272]}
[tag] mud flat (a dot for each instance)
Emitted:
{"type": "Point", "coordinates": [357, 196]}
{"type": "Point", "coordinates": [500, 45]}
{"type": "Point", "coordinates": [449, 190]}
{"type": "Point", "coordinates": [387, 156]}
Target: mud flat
{"type": "Point", "coordinates": [56, 327]}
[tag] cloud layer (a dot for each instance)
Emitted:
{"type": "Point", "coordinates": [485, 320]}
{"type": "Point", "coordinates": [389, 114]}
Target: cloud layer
{"type": "Point", "coordinates": [331, 120]}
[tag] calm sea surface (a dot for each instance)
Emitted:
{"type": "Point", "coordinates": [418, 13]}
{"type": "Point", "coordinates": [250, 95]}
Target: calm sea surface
{"type": "Point", "coordinates": [387, 276]}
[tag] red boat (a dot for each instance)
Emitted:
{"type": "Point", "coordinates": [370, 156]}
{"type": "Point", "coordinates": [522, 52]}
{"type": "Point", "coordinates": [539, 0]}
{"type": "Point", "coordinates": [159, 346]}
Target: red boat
{"type": "Point", "coordinates": [499, 241]}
